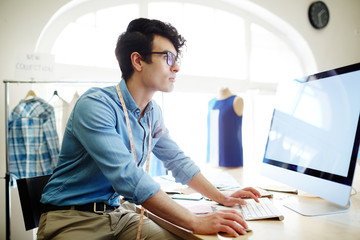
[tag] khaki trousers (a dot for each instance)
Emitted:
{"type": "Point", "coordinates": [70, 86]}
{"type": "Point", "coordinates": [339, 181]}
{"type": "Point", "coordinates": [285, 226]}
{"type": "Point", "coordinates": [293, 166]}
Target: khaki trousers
{"type": "Point", "coordinates": [119, 224]}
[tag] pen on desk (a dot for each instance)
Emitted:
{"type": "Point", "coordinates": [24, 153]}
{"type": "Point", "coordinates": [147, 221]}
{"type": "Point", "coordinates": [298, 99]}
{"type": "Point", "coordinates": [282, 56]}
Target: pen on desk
{"type": "Point", "coordinates": [228, 188]}
{"type": "Point", "coordinates": [173, 192]}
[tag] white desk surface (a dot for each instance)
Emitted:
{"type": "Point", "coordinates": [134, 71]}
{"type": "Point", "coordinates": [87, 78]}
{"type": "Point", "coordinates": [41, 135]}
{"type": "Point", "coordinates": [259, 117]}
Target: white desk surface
{"type": "Point", "coordinates": [295, 226]}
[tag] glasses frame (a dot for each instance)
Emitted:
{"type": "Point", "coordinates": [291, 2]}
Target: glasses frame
{"type": "Point", "coordinates": [168, 54]}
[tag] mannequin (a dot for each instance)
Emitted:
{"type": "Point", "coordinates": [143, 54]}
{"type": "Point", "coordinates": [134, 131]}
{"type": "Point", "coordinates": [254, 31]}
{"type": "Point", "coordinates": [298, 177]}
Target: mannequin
{"type": "Point", "coordinates": [224, 147]}
{"type": "Point", "coordinates": [238, 105]}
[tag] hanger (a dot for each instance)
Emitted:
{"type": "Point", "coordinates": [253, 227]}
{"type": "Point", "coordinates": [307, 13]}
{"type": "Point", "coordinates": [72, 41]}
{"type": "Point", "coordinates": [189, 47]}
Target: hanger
{"type": "Point", "coordinates": [56, 96]}
{"type": "Point", "coordinates": [30, 94]}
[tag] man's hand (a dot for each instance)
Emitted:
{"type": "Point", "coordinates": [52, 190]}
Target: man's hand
{"type": "Point", "coordinates": [235, 197]}
{"type": "Point", "coordinates": [228, 221]}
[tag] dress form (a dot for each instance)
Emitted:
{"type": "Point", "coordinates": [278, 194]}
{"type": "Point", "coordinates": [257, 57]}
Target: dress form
{"type": "Point", "coordinates": [225, 130]}
{"type": "Point", "coordinates": [224, 92]}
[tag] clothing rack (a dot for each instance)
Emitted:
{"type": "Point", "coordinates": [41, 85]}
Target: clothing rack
{"type": "Point", "coordinates": [7, 100]}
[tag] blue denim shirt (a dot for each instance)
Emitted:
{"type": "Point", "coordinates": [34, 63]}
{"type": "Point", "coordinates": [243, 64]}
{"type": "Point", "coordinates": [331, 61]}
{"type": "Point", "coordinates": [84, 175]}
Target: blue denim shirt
{"type": "Point", "coordinates": [96, 163]}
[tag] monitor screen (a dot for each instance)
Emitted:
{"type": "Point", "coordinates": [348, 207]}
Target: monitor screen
{"type": "Point", "coordinates": [314, 135]}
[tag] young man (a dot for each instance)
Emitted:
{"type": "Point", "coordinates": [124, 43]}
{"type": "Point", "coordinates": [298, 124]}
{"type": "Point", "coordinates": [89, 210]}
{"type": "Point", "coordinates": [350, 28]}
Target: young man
{"type": "Point", "coordinates": [110, 135]}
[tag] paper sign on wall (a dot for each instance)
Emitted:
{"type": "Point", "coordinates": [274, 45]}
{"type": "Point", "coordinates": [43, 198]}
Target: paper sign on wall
{"type": "Point", "coordinates": [34, 66]}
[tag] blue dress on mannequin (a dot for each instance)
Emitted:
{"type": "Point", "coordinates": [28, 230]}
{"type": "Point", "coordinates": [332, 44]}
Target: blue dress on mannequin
{"type": "Point", "coordinates": [224, 145]}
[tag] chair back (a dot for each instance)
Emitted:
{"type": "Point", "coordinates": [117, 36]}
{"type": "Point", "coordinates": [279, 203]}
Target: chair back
{"type": "Point", "coordinates": [30, 190]}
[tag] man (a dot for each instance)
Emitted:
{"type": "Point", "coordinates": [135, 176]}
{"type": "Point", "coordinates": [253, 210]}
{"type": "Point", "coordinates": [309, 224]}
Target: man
{"type": "Point", "coordinates": [110, 135]}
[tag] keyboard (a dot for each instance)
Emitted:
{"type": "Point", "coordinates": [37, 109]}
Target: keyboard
{"type": "Point", "coordinates": [265, 209]}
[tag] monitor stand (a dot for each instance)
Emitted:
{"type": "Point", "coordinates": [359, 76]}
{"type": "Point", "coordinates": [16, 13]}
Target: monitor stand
{"type": "Point", "coordinates": [316, 207]}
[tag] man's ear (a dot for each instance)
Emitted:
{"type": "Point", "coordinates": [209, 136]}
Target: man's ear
{"type": "Point", "coordinates": [136, 60]}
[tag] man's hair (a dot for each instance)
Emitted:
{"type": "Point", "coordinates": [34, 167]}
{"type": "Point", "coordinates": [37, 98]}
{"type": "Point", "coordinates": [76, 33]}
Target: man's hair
{"type": "Point", "coordinates": [139, 37]}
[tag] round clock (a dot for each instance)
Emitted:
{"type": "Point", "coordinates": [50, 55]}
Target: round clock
{"type": "Point", "coordinates": [319, 14]}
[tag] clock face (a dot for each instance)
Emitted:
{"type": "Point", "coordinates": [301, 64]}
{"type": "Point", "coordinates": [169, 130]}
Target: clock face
{"type": "Point", "coordinates": [319, 15]}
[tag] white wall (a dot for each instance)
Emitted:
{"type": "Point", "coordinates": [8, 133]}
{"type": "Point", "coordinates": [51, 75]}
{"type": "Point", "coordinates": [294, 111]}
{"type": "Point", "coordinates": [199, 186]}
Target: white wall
{"type": "Point", "coordinates": [336, 45]}
{"type": "Point", "coordinates": [21, 23]}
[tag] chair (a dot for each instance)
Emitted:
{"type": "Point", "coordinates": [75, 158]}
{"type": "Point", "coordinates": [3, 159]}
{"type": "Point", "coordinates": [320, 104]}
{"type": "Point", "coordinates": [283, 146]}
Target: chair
{"type": "Point", "coordinates": [30, 190]}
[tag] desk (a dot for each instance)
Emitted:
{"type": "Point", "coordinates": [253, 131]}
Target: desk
{"type": "Point", "coordinates": [295, 226]}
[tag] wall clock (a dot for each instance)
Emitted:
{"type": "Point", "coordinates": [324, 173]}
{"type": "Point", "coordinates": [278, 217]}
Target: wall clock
{"type": "Point", "coordinates": [319, 14]}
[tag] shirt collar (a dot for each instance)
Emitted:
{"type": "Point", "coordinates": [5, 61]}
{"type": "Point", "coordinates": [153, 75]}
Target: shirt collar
{"type": "Point", "coordinates": [34, 107]}
{"type": "Point", "coordinates": [149, 107]}
{"type": "Point", "coordinates": [129, 100]}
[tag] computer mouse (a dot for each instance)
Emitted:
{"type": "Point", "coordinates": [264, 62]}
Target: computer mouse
{"type": "Point", "coordinates": [226, 236]}
{"type": "Point", "coordinates": [248, 229]}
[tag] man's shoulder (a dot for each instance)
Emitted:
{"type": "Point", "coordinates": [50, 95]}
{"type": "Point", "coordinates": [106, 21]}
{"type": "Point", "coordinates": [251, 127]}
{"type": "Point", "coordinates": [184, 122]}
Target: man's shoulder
{"type": "Point", "coordinates": [107, 93]}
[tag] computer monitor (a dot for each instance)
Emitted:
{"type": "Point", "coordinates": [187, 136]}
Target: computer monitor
{"type": "Point", "coordinates": [314, 138]}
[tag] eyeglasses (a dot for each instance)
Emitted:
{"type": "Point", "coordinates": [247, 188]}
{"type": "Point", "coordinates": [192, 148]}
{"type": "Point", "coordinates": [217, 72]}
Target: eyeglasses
{"type": "Point", "coordinates": [170, 58]}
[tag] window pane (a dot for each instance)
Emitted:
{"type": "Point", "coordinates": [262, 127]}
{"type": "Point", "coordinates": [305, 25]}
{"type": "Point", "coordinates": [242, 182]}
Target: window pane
{"type": "Point", "coordinates": [229, 43]}
{"type": "Point", "coordinates": [171, 12]}
{"type": "Point", "coordinates": [110, 23]}
{"type": "Point", "coordinates": [271, 60]}
{"type": "Point", "coordinates": [197, 30]}
{"type": "Point", "coordinates": [215, 39]}
{"type": "Point", "coordinates": [86, 20]}
{"type": "Point", "coordinates": [74, 44]}
{"type": "Point", "coordinates": [185, 115]}
{"type": "Point", "coordinates": [91, 39]}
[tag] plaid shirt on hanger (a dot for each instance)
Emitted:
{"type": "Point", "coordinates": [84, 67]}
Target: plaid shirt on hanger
{"type": "Point", "coordinates": [33, 140]}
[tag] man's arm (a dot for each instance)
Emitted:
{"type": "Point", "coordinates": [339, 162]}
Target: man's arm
{"type": "Point", "coordinates": [220, 221]}
{"type": "Point", "coordinates": [203, 186]}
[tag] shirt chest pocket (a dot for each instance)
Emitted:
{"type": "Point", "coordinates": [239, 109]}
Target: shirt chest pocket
{"type": "Point", "coordinates": [156, 135]}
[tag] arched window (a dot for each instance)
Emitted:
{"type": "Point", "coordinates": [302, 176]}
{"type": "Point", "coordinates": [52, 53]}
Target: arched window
{"type": "Point", "coordinates": [227, 45]}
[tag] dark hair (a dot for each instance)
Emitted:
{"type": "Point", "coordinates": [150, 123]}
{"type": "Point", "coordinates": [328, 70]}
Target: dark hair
{"type": "Point", "coordinates": [139, 38]}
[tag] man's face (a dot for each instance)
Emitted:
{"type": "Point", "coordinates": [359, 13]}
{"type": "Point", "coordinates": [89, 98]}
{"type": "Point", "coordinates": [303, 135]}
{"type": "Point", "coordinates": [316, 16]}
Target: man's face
{"type": "Point", "coordinates": [158, 75]}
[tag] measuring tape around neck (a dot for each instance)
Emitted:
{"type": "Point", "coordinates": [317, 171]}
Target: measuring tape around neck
{"type": "Point", "coordinates": [132, 145]}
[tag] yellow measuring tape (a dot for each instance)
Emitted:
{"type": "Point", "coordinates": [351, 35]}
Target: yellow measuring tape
{"type": "Point", "coordinates": [132, 145]}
